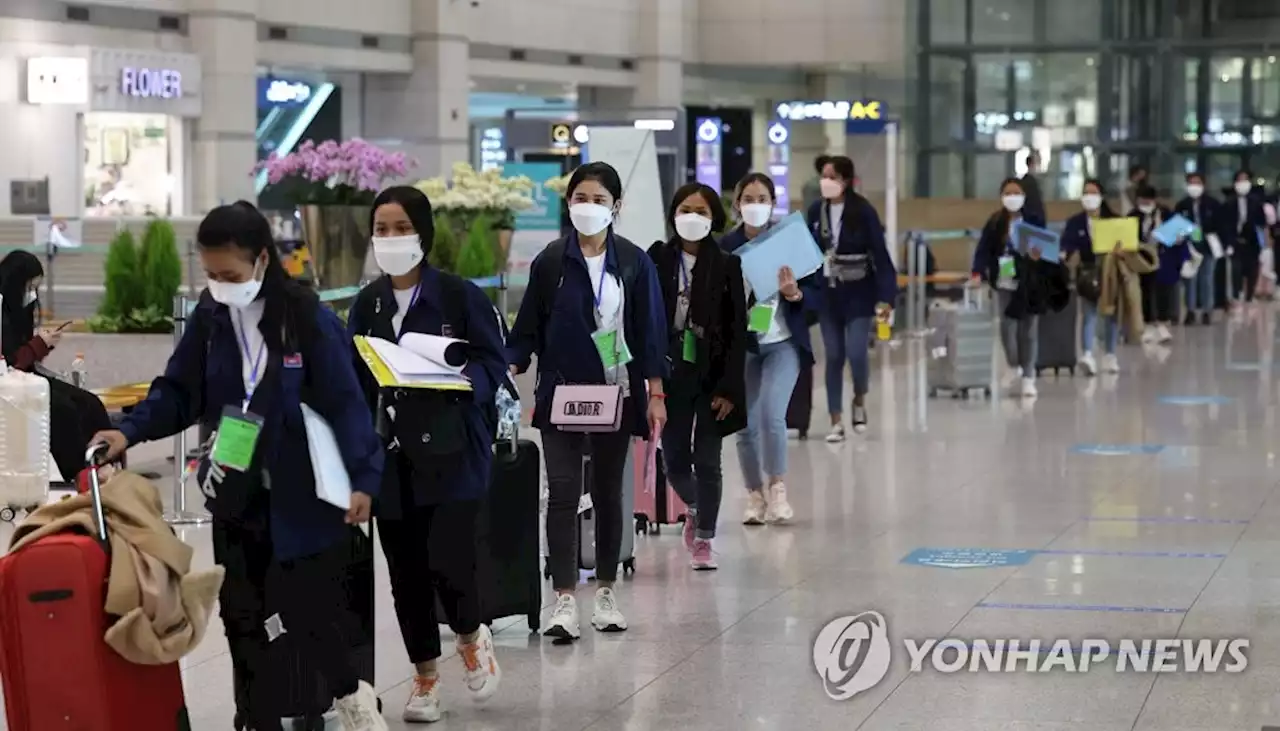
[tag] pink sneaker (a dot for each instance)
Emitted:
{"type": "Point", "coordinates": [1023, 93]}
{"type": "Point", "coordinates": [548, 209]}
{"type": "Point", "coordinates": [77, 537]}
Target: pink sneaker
{"type": "Point", "coordinates": [689, 532]}
{"type": "Point", "coordinates": [703, 560]}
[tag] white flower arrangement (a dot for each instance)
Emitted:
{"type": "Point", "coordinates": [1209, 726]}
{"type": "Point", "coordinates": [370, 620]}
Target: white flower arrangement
{"type": "Point", "coordinates": [472, 192]}
{"type": "Point", "coordinates": [558, 185]}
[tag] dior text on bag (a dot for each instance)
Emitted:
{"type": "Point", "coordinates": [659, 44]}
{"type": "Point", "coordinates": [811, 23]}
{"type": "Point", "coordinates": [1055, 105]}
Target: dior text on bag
{"type": "Point", "coordinates": [587, 408]}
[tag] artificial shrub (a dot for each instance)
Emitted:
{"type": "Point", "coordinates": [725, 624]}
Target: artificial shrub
{"type": "Point", "coordinates": [123, 278]}
{"type": "Point", "coordinates": [161, 266]}
{"type": "Point", "coordinates": [444, 248]}
{"type": "Point", "coordinates": [476, 257]}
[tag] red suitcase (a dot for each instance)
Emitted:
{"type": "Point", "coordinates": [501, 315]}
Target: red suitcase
{"type": "Point", "coordinates": [58, 671]}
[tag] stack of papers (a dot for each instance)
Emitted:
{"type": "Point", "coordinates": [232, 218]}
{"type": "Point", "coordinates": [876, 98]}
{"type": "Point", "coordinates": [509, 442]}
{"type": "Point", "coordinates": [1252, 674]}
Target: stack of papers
{"type": "Point", "coordinates": [1176, 228]}
{"type": "Point", "coordinates": [788, 243]}
{"type": "Point", "coordinates": [446, 352]}
{"type": "Point", "coordinates": [1027, 237]}
{"type": "Point", "coordinates": [396, 366]}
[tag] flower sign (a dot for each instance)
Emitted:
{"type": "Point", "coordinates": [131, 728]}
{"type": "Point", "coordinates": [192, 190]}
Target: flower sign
{"type": "Point", "coordinates": [332, 173]}
{"type": "Point", "coordinates": [470, 194]}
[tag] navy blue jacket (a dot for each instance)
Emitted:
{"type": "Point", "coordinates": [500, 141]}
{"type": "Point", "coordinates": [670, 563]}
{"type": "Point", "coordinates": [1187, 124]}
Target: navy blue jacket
{"type": "Point", "coordinates": [1075, 240]}
{"type": "Point", "coordinates": [1210, 211]}
{"type": "Point", "coordinates": [201, 379]}
{"type": "Point", "coordinates": [986, 255]}
{"type": "Point", "coordinates": [1229, 218]}
{"type": "Point", "coordinates": [860, 233]}
{"type": "Point", "coordinates": [562, 342]}
{"type": "Point", "coordinates": [793, 312]}
{"type": "Point", "coordinates": [486, 367]}
{"type": "Point", "coordinates": [1171, 258]}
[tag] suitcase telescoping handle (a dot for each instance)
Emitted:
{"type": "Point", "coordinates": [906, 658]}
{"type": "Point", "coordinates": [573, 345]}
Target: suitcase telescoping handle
{"type": "Point", "coordinates": [95, 457]}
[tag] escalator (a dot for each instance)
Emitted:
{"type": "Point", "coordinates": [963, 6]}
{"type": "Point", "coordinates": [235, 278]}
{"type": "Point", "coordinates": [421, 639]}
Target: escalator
{"type": "Point", "coordinates": [282, 126]}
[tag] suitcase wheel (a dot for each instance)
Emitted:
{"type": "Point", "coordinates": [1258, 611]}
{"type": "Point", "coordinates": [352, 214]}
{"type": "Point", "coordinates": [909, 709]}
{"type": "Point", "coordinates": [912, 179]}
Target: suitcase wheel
{"type": "Point", "coordinates": [535, 623]}
{"type": "Point", "coordinates": [804, 434]}
{"type": "Point", "coordinates": [546, 570]}
{"type": "Point", "coordinates": [933, 393]}
{"type": "Point", "coordinates": [642, 523]}
{"type": "Point", "coordinates": [654, 528]}
{"type": "Point", "coordinates": [629, 566]}
{"type": "Point", "coordinates": [8, 513]}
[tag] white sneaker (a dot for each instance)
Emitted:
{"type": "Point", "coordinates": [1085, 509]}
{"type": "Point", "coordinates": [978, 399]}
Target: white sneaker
{"type": "Point", "coordinates": [1110, 363]}
{"type": "Point", "coordinates": [1163, 334]}
{"type": "Point", "coordinates": [1029, 388]}
{"type": "Point", "coordinates": [756, 507]}
{"type": "Point", "coordinates": [480, 667]}
{"type": "Point", "coordinates": [359, 711]}
{"type": "Point", "coordinates": [563, 623]}
{"type": "Point", "coordinates": [1012, 377]}
{"type": "Point", "coordinates": [836, 435]}
{"type": "Point", "coordinates": [424, 701]}
{"type": "Point", "coordinates": [1088, 364]}
{"type": "Point", "coordinates": [606, 617]}
{"type": "Point", "coordinates": [1150, 334]}
{"type": "Point", "coordinates": [859, 420]}
{"type": "Point", "coordinates": [779, 510]}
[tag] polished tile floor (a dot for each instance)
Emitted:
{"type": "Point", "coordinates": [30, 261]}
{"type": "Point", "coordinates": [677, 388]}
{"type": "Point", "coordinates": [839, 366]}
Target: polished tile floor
{"type": "Point", "coordinates": [1170, 528]}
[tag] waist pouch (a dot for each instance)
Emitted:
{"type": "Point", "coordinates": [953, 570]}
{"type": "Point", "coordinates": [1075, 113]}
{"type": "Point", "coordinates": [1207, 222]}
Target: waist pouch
{"type": "Point", "coordinates": [850, 267]}
{"type": "Point", "coordinates": [428, 427]}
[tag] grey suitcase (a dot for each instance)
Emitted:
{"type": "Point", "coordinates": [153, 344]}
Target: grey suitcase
{"type": "Point", "coordinates": [1056, 337]}
{"type": "Point", "coordinates": [587, 521]}
{"type": "Point", "coordinates": [961, 347]}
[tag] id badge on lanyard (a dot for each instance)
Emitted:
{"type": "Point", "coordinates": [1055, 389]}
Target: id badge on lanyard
{"type": "Point", "coordinates": [612, 349]}
{"type": "Point", "coordinates": [761, 317]}
{"type": "Point", "coordinates": [238, 429]}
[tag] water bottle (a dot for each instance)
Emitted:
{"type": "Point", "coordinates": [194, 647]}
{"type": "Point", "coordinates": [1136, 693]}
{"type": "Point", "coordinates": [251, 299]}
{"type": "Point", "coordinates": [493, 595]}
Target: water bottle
{"type": "Point", "coordinates": [79, 373]}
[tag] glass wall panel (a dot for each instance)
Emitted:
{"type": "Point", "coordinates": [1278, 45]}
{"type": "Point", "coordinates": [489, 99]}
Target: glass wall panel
{"type": "Point", "coordinates": [946, 21]}
{"type": "Point", "coordinates": [946, 175]}
{"type": "Point", "coordinates": [1077, 21]}
{"type": "Point", "coordinates": [992, 112]}
{"type": "Point", "coordinates": [989, 169]}
{"type": "Point", "coordinates": [1226, 99]}
{"type": "Point", "coordinates": [1266, 88]}
{"type": "Point", "coordinates": [947, 122]}
{"type": "Point", "coordinates": [1003, 21]}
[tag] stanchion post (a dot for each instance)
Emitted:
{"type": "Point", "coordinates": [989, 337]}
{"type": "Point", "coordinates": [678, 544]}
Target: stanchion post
{"type": "Point", "coordinates": [179, 515]}
{"type": "Point", "coordinates": [921, 245]}
{"type": "Point", "coordinates": [912, 324]}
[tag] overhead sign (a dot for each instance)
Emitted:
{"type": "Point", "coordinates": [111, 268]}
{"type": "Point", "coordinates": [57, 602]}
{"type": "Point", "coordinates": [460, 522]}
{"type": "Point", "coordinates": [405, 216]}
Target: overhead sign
{"type": "Point", "coordinates": [968, 558]}
{"type": "Point", "coordinates": [707, 151]}
{"type": "Point", "coordinates": [57, 80]}
{"type": "Point", "coordinates": [146, 83]}
{"type": "Point", "coordinates": [779, 135]}
{"type": "Point", "coordinates": [283, 92]}
{"type": "Point", "coordinates": [862, 116]}
{"type": "Point", "coordinates": [561, 135]}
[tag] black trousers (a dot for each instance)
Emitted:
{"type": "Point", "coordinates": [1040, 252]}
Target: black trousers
{"type": "Point", "coordinates": [1159, 301]}
{"type": "Point", "coordinates": [75, 415]}
{"type": "Point", "coordinates": [308, 598]}
{"type": "Point", "coordinates": [691, 446]}
{"type": "Point", "coordinates": [1245, 268]}
{"type": "Point", "coordinates": [431, 553]}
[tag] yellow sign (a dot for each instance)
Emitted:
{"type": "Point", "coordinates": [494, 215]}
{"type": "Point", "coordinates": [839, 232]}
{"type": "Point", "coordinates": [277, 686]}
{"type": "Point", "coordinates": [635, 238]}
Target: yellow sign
{"type": "Point", "coordinates": [561, 134]}
{"type": "Point", "coordinates": [1107, 232]}
{"type": "Point", "coordinates": [865, 110]}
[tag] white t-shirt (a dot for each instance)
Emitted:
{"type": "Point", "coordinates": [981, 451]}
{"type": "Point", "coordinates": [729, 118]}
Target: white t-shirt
{"type": "Point", "coordinates": [778, 330]}
{"type": "Point", "coordinates": [685, 291]}
{"type": "Point", "coordinates": [245, 323]}
{"type": "Point", "coordinates": [608, 313]}
{"type": "Point", "coordinates": [837, 221]}
{"type": "Point", "coordinates": [404, 298]}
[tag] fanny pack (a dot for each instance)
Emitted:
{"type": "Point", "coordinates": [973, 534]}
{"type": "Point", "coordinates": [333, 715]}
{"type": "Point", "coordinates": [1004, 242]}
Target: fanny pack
{"type": "Point", "coordinates": [850, 267]}
{"type": "Point", "coordinates": [586, 408]}
{"type": "Point", "coordinates": [427, 426]}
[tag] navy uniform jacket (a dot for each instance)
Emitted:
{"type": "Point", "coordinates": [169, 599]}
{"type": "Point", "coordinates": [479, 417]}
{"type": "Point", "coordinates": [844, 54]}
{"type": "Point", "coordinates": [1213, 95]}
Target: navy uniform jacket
{"type": "Point", "coordinates": [1228, 220]}
{"type": "Point", "coordinates": [200, 379]}
{"type": "Point", "coordinates": [1076, 239]}
{"type": "Point", "coordinates": [860, 233]}
{"type": "Point", "coordinates": [562, 342]}
{"type": "Point", "coordinates": [793, 312]}
{"type": "Point", "coordinates": [1210, 210]}
{"type": "Point", "coordinates": [486, 366]}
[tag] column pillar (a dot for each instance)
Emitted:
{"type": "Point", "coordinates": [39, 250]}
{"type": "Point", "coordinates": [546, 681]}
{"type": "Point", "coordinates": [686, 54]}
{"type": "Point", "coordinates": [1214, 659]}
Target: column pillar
{"type": "Point", "coordinates": [660, 62]}
{"type": "Point", "coordinates": [425, 113]}
{"type": "Point", "coordinates": [224, 34]}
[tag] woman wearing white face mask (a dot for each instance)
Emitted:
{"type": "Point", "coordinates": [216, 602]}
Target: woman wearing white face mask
{"type": "Point", "coordinates": [1027, 285]}
{"type": "Point", "coordinates": [1077, 251]}
{"type": "Point", "coordinates": [256, 349]}
{"type": "Point", "coordinates": [1202, 210]}
{"type": "Point", "coordinates": [1242, 228]}
{"type": "Point", "coordinates": [706, 399]}
{"type": "Point", "coordinates": [431, 495]}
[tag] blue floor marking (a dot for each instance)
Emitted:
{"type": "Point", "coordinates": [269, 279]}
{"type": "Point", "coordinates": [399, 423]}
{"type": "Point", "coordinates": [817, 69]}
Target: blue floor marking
{"type": "Point", "coordinates": [1195, 400]}
{"type": "Point", "coordinates": [994, 558]}
{"type": "Point", "coordinates": [1117, 450]}
{"type": "Point", "coordinates": [1133, 554]}
{"type": "Point", "coordinates": [1083, 608]}
{"type": "Point", "coordinates": [1162, 519]}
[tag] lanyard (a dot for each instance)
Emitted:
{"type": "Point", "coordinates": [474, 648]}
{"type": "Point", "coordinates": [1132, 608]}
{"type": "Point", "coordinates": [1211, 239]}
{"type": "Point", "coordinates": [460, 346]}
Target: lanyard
{"type": "Point", "coordinates": [599, 296]}
{"type": "Point", "coordinates": [684, 276]}
{"type": "Point", "coordinates": [254, 365]}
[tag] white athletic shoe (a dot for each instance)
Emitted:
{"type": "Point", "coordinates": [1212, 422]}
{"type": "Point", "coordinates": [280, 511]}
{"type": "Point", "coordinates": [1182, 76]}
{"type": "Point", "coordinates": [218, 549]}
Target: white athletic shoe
{"type": "Point", "coordinates": [480, 667]}
{"type": "Point", "coordinates": [778, 510]}
{"type": "Point", "coordinates": [1029, 388]}
{"type": "Point", "coordinates": [1110, 363]}
{"type": "Point", "coordinates": [1163, 334]}
{"type": "Point", "coordinates": [1150, 335]}
{"type": "Point", "coordinates": [1088, 364]}
{"type": "Point", "coordinates": [424, 702]}
{"type": "Point", "coordinates": [836, 435]}
{"type": "Point", "coordinates": [606, 617]}
{"type": "Point", "coordinates": [359, 711]}
{"type": "Point", "coordinates": [756, 508]}
{"type": "Point", "coordinates": [1012, 377]}
{"type": "Point", "coordinates": [859, 420]}
{"type": "Point", "coordinates": [563, 623]}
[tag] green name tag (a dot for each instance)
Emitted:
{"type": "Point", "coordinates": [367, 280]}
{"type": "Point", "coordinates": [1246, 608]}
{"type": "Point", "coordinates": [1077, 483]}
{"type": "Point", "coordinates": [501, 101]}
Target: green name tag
{"type": "Point", "coordinates": [761, 318]}
{"type": "Point", "coordinates": [690, 347]}
{"type": "Point", "coordinates": [613, 350]}
{"type": "Point", "coordinates": [237, 439]}
{"type": "Point", "coordinates": [1197, 234]}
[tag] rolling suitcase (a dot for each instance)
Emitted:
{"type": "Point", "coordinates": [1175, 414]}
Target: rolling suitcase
{"type": "Point", "coordinates": [587, 521]}
{"type": "Point", "coordinates": [656, 502]}
{"type": "Point", "coordinates": [800, 408]}
{"type": "Point", "coordinates": [58, 671]}
{"type": "Point", "coordinates": [1056, 339]}
{"type": "Point", "coordinates": [507, 530]}
{"type": "Point", "coordinates": [961, 345]}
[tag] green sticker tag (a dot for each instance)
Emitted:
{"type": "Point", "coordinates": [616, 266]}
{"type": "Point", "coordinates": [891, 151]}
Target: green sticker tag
{"type": "Point", "coordinates": [690, 347]}
{"type": "Point", "coordinates": [1197, 235]}
{"type": "Point", "coordinates": [761, 318]}
{"type": "Point", "coordinates": [613, 350]}
{"type": "Point", "coordinates": [1008, 273]}
{"type": "Point", "coordinates": [237, 439]}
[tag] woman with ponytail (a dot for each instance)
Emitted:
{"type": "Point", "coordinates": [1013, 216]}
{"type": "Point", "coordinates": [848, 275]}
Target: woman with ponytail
{"type": "Point", "coordinates": [256, 349]}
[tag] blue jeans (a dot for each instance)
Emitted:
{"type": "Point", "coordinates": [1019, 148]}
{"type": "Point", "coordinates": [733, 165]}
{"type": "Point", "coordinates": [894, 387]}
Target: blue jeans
{"type": "Point", "coordinates": [771, 377]}
{"type": "Point", "coordinates": [1089, 328]}
{"type": "Point", "coordinates": [846, 340]}
{"type": "Point", "coordinates": [1200, 287]}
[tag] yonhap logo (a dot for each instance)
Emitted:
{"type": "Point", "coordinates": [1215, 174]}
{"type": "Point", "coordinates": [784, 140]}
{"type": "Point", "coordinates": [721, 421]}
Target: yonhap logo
{"type": "Point", "coordinates": [852, 654]}
{"type": "Point", "coordinates": [583, 408]}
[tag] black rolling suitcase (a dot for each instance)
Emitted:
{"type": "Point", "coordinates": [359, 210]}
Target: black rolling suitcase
{"type": "Point", "coordinates": [800, 409]}
{"type": "Point", "coordinates": [1056, 339]}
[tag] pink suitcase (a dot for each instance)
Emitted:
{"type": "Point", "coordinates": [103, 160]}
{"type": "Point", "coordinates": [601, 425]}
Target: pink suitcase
{"type": "Point", "coordinates": [656, 503]}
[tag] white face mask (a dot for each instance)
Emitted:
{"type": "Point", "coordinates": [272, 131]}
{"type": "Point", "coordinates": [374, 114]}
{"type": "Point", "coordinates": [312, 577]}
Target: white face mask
{"type": "Point", "coordinates": [590, 218]}
{"type": "Point", "coordinates": [1243, 187]}
{"type": "Point", "coordinates": [831, 188]}
{"type": "Point", "coordinates": [1195, 190]}
{"type": "Point", "coordinates": [237, 295]}
{"type": "Point", "coordinates": [692, 226]}
{"type": "Point", "coordinates": [397, 255]}
{"type": "Point", "coordinates": [29, 298]}
{"type": "Point", "coordinates": [1146, 209]}
{"type": "Point", "coordinates": [1091, 201]}
{"type": "Point", "coordinates": [1013, 203]}
{"type": "Point", "coordinates": [757, 214]}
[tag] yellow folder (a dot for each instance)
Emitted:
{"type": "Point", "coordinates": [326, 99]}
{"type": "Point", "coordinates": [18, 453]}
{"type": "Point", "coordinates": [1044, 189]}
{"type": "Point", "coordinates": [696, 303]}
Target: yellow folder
{"type": "Point", "coordinates": [1108, 231]}
{"type": "Point", "coordinates": [387, 377]}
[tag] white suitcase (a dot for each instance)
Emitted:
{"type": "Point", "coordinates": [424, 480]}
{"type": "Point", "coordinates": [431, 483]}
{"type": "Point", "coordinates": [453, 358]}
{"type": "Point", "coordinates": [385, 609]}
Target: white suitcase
{"type": "Point", "coordinates": [24, 443]}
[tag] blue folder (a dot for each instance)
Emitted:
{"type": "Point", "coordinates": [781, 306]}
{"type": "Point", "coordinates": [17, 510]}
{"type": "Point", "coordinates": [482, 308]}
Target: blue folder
{"type": "Point", "coordinates": [788, 243]}
{"type": "Point", "coordinates": [1026, 236]}
{"type": "Point", "coordinates": [1177, 227]}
